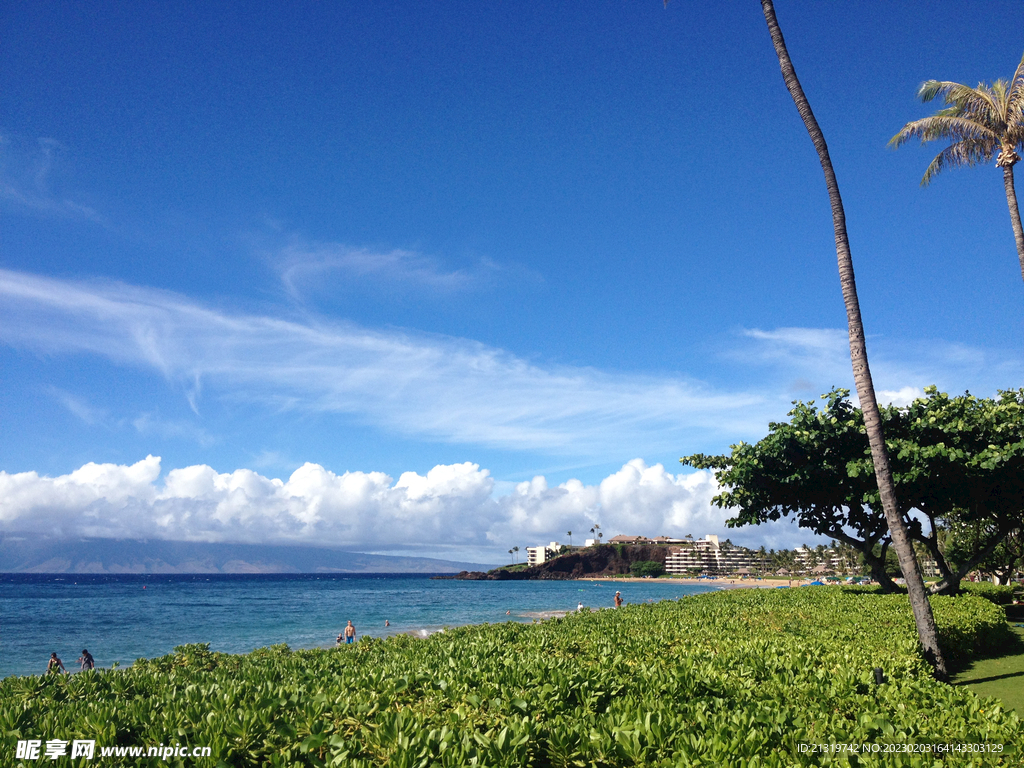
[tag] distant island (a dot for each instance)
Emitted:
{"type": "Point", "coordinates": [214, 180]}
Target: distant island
{"type": "Point", "coordinates": [23, 554]}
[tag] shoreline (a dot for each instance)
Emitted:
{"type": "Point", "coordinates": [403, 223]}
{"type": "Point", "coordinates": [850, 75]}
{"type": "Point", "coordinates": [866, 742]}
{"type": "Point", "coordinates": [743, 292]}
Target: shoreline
{"type": "Point", "coordinates": [720, 583]}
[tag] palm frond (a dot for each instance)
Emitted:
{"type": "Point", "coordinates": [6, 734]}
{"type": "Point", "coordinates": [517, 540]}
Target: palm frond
{"type": "Point", "coordinates": [945, 126]}
{"type": "Point", "coordinates": [1016, 97]}
{"type": "Point", "coordinates": [1015, 108]}
{"type": "Point", "coordinates": [967, 100]}
{"type": "Point", "coordinates": [954, 156]}
{"type": "Point", "coordinates": [979, 122]}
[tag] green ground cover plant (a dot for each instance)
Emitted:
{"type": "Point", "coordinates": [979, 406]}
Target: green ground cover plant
{"type": "Point", "coordinates": [730, 678]}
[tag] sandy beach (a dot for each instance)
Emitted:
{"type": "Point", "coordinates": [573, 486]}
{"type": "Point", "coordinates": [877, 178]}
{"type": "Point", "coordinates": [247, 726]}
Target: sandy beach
{"type": "Point", "coordinates": [721, 583]}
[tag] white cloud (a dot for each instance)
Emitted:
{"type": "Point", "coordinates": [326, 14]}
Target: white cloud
{"type": "Point", "coordinates": [305, 266]}
{"type": "Point", "coordinates": [79, 406]}
{"type": "Point", "coordinates": [424, 386]}
{"type": "Point", "coordinates": [454, 390]}
{"type": "Point", "coordinates": [450, 508]}
{"type": "Point", "coordinates": [25, 180]}
{"type": "Point", "coordinates": [900, 397]}
{"type": "Point", "coordinates": [814, 360]}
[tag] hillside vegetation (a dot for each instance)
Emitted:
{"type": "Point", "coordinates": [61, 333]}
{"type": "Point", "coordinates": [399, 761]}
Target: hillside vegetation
{"type": "Point", "coordinates": [600, 560]}
{"type": "Point", "coordinates": [731, 678]}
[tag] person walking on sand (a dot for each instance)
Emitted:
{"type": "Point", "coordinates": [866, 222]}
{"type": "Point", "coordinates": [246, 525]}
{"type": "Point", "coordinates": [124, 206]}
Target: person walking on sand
{"type": "Point", "coordinates": [86, 660]}
{"type": "Point", "coordinates": [350, 634]}
{"type": "Point", "coordinates": [55, 665]}
{"type": "Point", "coordinates": [618, 599]}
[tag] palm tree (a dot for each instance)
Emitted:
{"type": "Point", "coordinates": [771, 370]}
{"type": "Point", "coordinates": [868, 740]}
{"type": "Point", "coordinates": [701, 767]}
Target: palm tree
{"type": "Point", "coordinates": [510, 555]}
{"type": "Point", "coordinates": [981, 123]}
{"type": "Point", "coordinates": [516, 550]}
{"type": "Point", "coordinates": [926, 630]}
{"type": "Point", "coordinates": [569, 534]}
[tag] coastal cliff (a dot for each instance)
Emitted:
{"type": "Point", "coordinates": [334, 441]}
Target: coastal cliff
{"type": "Point", "coordinates": [602, 560]}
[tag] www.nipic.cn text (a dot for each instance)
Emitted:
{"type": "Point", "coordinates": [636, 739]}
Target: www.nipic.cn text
{"type": "Point", "coordinates": [52, 749]}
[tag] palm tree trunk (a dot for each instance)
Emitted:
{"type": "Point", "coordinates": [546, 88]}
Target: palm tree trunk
{"type": "Point", "coordinates": [926, 630]}
{"type": "Point", "coordinates": [1011, 201]}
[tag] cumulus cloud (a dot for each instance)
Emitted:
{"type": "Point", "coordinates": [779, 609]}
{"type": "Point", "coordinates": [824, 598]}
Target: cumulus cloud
{"type": "Point", "coordinates": [451, 507]}
{"type": "Point", "coordinates": [899, 397]}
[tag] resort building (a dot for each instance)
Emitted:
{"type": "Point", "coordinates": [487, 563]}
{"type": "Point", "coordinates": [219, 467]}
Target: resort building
{"type": "Point", "coordinates": [706, 555]}
{"type": "Point", "coordinates": [830, 559]}
{"type": "Point", "coordinates": [540, 554]}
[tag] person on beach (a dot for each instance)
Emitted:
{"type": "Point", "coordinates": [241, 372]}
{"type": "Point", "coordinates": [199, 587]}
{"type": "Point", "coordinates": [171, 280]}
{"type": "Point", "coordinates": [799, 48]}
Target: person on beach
{"type": "Point", "coordinates": [86, 660]}
{"type": "Point", "coordinates": [579, 607]}
{"type": "Point", "coordinates": [55, 665]}
{"type": "Point", "coordinates": [618, 599]}
{"type": "Point", "coordinates": [350, 634]}
{"type": "Point", "coordinates": [387, 623]}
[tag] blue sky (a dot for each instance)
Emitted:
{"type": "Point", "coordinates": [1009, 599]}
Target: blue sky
{"type": "Point", "coordinates": [543, 241]}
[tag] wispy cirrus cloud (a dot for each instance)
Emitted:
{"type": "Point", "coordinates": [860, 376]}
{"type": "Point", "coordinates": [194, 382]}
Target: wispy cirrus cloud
{"type": "Point", "coordinates": [79, 406]}
{"type": "Point", "coordinates": [816, 359]}
{"type": "Point", "coordinates": [316, 269]}
{"type": "Point", "coordinates": [305, 266]}
{"type": "Point", "coordinates": [430, 387]}
{"type": "Point", "coordinates": [455, 390]}
{"type": "Point", "coordinates": [26, 180]}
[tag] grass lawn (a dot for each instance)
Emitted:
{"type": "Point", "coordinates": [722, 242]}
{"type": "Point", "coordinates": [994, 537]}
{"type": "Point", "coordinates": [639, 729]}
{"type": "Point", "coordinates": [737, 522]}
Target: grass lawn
{"type": "Point", "coordinates": [1002, 677]}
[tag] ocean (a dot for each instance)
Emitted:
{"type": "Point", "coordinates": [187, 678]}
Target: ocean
{"type": "Point", "coordinates": [123, 617]}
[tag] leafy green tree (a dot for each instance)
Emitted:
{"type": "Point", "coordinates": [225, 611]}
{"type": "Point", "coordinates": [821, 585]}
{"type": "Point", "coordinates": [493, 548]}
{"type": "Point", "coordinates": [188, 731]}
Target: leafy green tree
{"type": "Point", "coordinates": [961, 463]}
{"type": "Point", "coordinates": [1003, 561]}
{"type": "Point", "coordinates": [926, 630]}
{"type": "Point", "coordinates": [643, 568]}
{"type": "Point", "coordinates": [957, 460]}
{"type": "Point", "coordinates": [800, 469]}
{"type": "Point", "coordinates": [981, 123]}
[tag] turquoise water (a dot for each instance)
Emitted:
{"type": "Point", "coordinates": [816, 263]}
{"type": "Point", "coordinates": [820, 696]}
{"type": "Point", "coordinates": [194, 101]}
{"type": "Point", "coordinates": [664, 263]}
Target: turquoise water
{"type": "Point", "coordinates": [124, 617]}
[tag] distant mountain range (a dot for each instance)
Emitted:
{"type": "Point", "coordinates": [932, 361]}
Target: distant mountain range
{"type": "Point", "coordinates": [29, 555]}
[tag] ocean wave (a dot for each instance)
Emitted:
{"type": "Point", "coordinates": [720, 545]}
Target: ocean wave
{"type": "Point", "coordinates": [541, 614]}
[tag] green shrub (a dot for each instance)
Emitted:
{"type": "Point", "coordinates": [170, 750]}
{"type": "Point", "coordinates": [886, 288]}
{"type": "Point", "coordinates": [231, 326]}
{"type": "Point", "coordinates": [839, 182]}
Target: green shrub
{"type": "Point", "coordinates": [1000, 595]}
{"type": "Point", "coordinates": [730, 678]}
{"type": "Point", "coordinates": [643, 568]}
